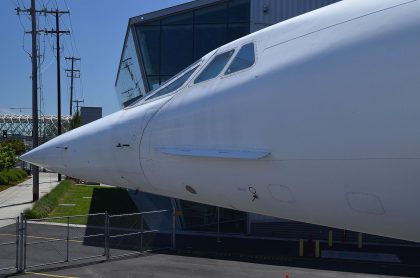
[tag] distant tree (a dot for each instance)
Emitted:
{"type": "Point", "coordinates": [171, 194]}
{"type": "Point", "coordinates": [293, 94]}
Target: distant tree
{"type": "Point", "coordinates": [7, 157]}
{"type": "Point", "coordinates": [75, 121]}
{"type": "Point", "coordinates": [17, 145]}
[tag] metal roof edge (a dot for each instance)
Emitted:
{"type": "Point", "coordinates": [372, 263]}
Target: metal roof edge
{"type": "Point", "coordinates": [171, 10]}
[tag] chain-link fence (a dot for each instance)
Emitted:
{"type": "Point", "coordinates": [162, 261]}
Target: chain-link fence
{"type": "Point", "coordinates": [137, 233]}
{"type": "Point", "coordinates": [36, 243]}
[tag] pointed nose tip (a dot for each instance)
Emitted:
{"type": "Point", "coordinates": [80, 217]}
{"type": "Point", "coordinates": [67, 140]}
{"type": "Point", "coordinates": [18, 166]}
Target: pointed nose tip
{"type": "Point", "coordinates": [35, 156]}
{"type": "Point", "coordinates": [47, 155]}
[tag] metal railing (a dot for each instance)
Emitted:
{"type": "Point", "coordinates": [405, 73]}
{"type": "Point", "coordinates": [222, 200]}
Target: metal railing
{"type": "Point", "coordinates": [65, 230]}
{"type": "Point", "coordinates": [66, 239]}
{"type": "Point", "coordinates": [126, 236]}
{"type": "Point", "coordinates": [102, 236]}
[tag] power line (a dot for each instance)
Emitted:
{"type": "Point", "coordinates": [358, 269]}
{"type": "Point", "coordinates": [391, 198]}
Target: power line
{"type": "Point", "coordinates": [68, 46]}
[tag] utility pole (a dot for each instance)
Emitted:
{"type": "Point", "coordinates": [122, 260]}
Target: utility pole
{"type": "Point", "coordinates": [77, 104]}
{"type": "Point", "coordinates": [72, 73]}
{"type": "Point", "coordinates": [35, 170]}
{"type": "Point", "coordinates": [57, 33]}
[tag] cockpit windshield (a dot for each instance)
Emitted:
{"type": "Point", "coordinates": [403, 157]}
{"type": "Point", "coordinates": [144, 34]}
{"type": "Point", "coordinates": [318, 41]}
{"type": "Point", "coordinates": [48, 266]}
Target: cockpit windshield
{"type": "Point", "coordinates": [173, 83]}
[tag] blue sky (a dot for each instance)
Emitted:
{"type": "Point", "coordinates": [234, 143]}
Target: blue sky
{"type": "Point", "coordinates": [98, 29]}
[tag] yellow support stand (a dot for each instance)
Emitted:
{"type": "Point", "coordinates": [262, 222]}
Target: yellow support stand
{"type": "Point", "coordinates": [330, 238]}
{"type": "Point", "coordinates": [317, 249]}
{"type": "Point", "coordinates": [360, 240]}
{"type": "Point", "coordinates": [301, 248]}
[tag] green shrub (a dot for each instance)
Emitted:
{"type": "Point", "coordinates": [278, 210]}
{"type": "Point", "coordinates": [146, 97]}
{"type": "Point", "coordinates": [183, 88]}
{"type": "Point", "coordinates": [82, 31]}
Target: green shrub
{"type": "Point", "coordinates": [12, 176]}
{"type": "Point", "coordinates": [7, 157]}
{"type": "Point", "coordinates": [30, 214]}
{"type": "Point", "coordinates": [17, 145]}
{"type": "Point", "coordinates": [48, 202]}
{"type": "Point", "coordinates": [3, 180]}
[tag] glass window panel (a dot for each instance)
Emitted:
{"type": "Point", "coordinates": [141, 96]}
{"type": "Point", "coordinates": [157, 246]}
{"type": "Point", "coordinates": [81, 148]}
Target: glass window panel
{"type": "Point", "coordinates": [174, 85]}
{"type": "Point", "coordinates": [209, 37]}
{"type": "Point", "coordinates": [244, 59]}
{"type": "Point", "coordinates": [212, 14]}
{"type": "Point", "coordinates": [164, 78]}
{"type": "Point", "coordinates": [131, 101]}
{"type": "Point", "coordinates": [153, 22]}
{"type": "Point", "coordinates": [238, 30]}
{"type": "Point", "coordinates": [239, 11]}
{"type": "Point", "coordinates": [176, 49]}
{"type": "Point", "coordinates": [129, 82]}
{"type": "Point", "coordinates": [149, 38]}
{"type": "Point", "coordinates": [154, 82]}
{"type": "Point", "coordinates": [214, 67]}
{"type": "Point", "coordinates": [184, 18]}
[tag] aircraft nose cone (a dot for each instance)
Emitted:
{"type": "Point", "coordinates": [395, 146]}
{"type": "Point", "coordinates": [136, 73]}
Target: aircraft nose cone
{"type": "Point", "coordinates": [32, 156]}
{"type": "Point", "coordinates": [47, 155]}
{"type": "Point", "coordinates": [99, 151]}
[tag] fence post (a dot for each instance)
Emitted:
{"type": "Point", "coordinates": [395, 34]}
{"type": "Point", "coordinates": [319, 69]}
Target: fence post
{"type": "Point", "coordinates": [218, 224]}
{"type": "Point", "coordinates": [17, 242]}
{"type": "Point", "coordinates": [25, 235]}
{"type": "Point", "coordinates": [20, 252]}
{"type": "Point", "coordinates": [317, 249]}
{"type": "Point", "coordinates": [67, 239]}
{"type": "Point", "coordinates": [330, 238]}
{"type": "Point", "coordinates": [173, 227]}
{"type": "Point", "coordinates": [107, 235]}
{"type": "Point", "coordinates": [359, 240]}
{"type": "Point", "coordinates": [248, 224]}
{"type": "Point", "coordinates": [141, 232]}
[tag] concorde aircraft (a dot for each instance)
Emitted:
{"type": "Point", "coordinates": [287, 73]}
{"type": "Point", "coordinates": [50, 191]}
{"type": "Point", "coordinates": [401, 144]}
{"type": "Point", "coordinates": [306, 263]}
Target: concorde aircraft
{"type": "Point", "coordinates": [315, 119]}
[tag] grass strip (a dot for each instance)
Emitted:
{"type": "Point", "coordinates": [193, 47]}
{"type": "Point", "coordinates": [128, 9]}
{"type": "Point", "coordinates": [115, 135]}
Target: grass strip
{"type": "Point", "coordinates": [44, 206]}
{"type": "Point", "coordinates": [69, 199]}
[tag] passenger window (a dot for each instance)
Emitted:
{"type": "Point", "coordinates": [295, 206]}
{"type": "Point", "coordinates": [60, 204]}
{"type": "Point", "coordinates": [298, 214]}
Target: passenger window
{"type": "Point", "coordinates": [244, 59]}
{"type": "Point", "coordinates": [175, 85]}
{"type": "Point", "coordinates": [214, 67]}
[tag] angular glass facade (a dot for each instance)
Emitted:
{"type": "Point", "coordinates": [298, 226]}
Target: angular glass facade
{"type": "Point", "coordinates": [162, 43]}
{"type": "Point", "coordinates": [171, 43]}
{"type": "Point", "coordinates": [158, 48]}
{"type": "Point", "coordinates": [129, 85]}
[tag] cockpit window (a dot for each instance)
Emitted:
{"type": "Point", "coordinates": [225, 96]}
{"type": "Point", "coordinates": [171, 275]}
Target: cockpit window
{"type": "Point", "coordinates": [243, 60]}
{"type": "Point", "coordinates": [214, 67]}
{"type": "Point", "coordinates": [175, 85]}
{"type": "Point", "coordinates": [172, 84]}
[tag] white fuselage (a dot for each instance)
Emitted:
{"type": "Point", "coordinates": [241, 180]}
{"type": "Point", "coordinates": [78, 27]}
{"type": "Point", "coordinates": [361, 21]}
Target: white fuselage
{"type": "Point", "coordinates": [323, 128]}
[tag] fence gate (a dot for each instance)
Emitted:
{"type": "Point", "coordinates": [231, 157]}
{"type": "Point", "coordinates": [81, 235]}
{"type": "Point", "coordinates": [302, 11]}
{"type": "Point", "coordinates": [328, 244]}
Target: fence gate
{"type": "Point", "coordinates": [36, 243]}
{"type": "Point", "coordinates": [9, 239]}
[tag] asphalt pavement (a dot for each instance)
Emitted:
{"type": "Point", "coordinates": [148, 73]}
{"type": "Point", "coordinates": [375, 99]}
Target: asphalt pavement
{"type": "Point", "coordinates": [195, 256]}
{"type": "Point", "coordinates": [163, 266]}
